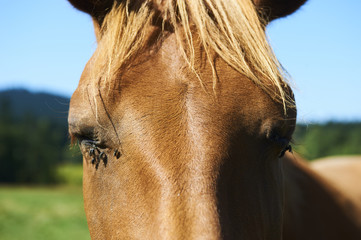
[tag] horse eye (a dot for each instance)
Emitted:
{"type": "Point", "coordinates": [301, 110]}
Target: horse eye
{"type": "Point", "coordinates": [94, 151]}
{"type": "Point", "coordinates": [288, 148]}
{"type": "Point", "coordinates": [282, 141]}
{"type": "Point", "coordinates": [87, 143]}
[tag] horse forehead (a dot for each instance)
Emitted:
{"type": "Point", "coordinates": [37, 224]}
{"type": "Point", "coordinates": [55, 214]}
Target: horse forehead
{"type": "Point", "coordinates": [160, 78]}
{"type": "Point", "coordinates": [164, 67]}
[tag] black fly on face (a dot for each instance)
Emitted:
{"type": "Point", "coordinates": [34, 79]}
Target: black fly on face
{"type": "Point", "coordinates": [92, 152]}
{"type": "Point", "coordinates": [117, 154]}
{"type": "Point", "coordinates": [103, 157]}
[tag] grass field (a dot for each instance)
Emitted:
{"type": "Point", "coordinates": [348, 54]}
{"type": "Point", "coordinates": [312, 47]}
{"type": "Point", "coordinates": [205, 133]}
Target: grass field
{"type": "Point", "coordinates": [49, 213]}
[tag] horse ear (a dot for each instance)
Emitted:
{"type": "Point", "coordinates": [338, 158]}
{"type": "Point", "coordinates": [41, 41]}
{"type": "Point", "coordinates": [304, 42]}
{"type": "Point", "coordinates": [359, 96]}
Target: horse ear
{"type": "Point", "coordinates": [273, 9]}
{"type": "Point", "coordinates": [96, 8]}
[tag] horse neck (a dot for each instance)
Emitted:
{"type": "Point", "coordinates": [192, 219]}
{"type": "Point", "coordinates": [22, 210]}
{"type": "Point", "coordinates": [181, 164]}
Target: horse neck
{"type": "Point", "coordinates": [313, 208]}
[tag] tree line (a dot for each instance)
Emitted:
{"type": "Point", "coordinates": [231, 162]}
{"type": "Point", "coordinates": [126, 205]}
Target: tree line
{"type": "Point", "coordinates": [31, 147]}
{"type": "Point", "coordinates": [328, 139]}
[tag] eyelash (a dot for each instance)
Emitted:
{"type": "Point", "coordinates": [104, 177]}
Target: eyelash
{"type": "Point", "coordinates": [96, 151]}
{"type": "Point", "coordinates": [288, 148]}
{"type": "Point", "coordinates": [282, 142]}
{"type": "Point", "coordinates": [279, 140]}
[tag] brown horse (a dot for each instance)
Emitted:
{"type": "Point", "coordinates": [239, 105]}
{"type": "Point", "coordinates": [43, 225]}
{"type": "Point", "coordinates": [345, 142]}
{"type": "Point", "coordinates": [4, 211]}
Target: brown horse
{"type": "Point", "coordinates": [317, 208]}
{"type": "Point", "coordinates": [182, 114]}
{"type": "Point", "coordinates": [343, 172]}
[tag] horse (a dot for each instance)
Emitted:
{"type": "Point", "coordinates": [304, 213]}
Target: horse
{"type": "Point", "coordinates": [183, 114]}
{"type": "Point", "coordinates": [319, 202]}
{"type": "Point", "coordinates": [344, 172]}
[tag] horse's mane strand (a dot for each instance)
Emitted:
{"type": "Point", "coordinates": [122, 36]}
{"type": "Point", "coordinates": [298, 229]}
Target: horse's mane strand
{"type": "Point", "coordinates": [232, 29]}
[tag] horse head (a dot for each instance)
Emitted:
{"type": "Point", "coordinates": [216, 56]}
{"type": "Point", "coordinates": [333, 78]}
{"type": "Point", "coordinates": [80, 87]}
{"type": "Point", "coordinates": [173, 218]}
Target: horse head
{"type": "Point", "coordinates": [181, 115]}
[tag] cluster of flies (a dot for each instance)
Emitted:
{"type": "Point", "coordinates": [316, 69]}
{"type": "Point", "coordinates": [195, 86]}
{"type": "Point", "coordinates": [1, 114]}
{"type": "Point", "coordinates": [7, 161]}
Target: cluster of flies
{"type": "Point", "coordinates": [100, 156]}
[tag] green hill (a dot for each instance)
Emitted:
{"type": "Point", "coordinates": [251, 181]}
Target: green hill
{"type": "Point", "coordinates": [44, 105]}
{"type": "Point", "coordinates": [33, 136]}
{"type": "Point", "coordinates": [327, 139]}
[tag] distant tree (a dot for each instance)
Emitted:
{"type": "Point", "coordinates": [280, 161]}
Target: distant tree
{"type": "Point", "coordinates": [31, 147]}
{"type": "Point", "coordinates": [333, 138]}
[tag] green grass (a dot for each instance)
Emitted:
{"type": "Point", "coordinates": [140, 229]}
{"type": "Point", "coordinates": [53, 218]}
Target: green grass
{"type": "Point", "coordinates": [49, 213]}
{"type": "Point", "coordinates": [70, 174]}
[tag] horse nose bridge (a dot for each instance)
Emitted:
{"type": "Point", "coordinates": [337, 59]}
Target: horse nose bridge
{"type": "Point", "coordinates": [188, 198]}
{"type": "Point", "coordinates": [192, 212]}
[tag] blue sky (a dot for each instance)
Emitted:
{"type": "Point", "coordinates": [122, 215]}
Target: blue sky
{"type": "Point", "coordinates": [44, 46]}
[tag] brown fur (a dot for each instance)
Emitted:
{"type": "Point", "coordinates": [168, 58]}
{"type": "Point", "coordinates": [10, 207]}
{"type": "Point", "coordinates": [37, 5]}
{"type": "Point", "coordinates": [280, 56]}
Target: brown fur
{"type": "Point", "coordinates": [193, 164]}
{"type": "Point", "coordinates": [96, 8]}
{"type": "Point", "coordinates": [315, 209]}
{"type": "Point", "coordinates": [271, 9]}
{"type": "Point", "coordinates": [230, 30]}
{"type": "Point", "coordinates": [344, 173]}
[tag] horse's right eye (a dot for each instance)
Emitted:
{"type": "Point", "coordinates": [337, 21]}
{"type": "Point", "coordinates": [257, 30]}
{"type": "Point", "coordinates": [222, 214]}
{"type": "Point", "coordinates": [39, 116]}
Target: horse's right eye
{"type": "Point", "coordinates": [93, 150]}
{"type": "Point", "coordinates": [87, 143]}
{"type": "Point", "coordinates": [85, 136]}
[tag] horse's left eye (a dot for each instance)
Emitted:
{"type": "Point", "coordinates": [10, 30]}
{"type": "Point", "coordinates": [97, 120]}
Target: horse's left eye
{"type": "Point", "coordinates": [288, 148]}
{"type": "Point", "coordinates": [282, 142]}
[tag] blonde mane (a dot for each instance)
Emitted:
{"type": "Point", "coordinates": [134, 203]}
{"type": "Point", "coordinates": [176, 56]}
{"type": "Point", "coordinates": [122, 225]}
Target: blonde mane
{"type": "Point", "coordinates": [232, 29]}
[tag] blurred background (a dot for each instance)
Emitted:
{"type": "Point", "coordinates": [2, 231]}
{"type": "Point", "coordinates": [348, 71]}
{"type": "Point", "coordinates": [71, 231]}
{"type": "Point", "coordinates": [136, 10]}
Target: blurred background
{"type": "Point", "coordinates": [44, 46]}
